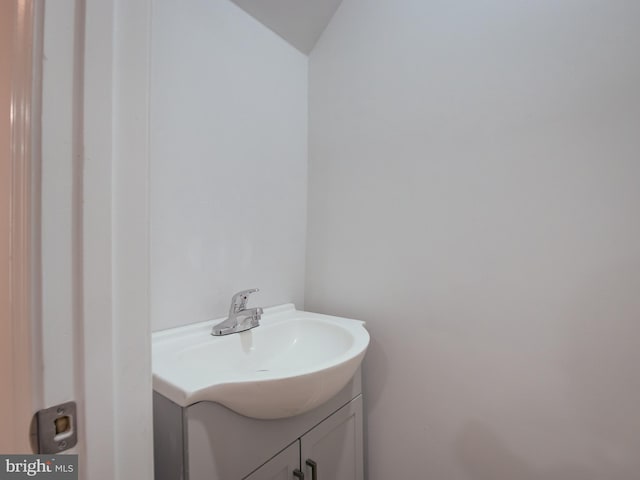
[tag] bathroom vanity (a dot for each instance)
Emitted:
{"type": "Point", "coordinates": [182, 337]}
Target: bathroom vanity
{"type": "Point", "coordinates": [279, 401]}
{"type": "Point", "coordinates": [207, 441]}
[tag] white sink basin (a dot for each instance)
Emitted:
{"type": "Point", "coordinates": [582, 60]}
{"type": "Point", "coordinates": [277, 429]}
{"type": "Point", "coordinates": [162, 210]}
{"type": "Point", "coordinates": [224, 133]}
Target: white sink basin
{"type": "Point", "coordinates": [290, 364]}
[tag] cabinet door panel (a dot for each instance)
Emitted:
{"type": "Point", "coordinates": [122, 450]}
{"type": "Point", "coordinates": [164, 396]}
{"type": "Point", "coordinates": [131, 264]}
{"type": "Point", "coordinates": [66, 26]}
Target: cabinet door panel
{"type": "Point", "coordinates": [335, 445]}
{"type": "Point", "coordinates": [281, 466]}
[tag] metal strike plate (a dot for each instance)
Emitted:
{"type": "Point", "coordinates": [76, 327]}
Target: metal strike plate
{"type": "Point", "coordinates": [57, 428]}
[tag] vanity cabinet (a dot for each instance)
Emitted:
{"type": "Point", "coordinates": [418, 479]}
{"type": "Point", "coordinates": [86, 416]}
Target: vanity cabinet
{"type": "Point", "coordinates": [206, 441]}
{"type": "Point", "coordinates": [332, 450]}
{"type": "Point", "coordinates": [283, 466]}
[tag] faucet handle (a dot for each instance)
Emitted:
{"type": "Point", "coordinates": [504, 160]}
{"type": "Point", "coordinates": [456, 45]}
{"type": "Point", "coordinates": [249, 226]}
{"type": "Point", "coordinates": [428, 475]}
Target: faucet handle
{"type": "Point", "coordinates": [239, 300]}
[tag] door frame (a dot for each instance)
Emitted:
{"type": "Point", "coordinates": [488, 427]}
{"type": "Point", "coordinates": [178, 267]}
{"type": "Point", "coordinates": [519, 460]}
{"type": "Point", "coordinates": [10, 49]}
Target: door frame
{"type": "Point", "coordinates": [116, 337]}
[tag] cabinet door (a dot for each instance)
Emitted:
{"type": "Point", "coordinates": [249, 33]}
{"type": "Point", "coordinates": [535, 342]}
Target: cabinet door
{"type": "Point", "coordinates": [281, 466]}
{"type": "Point", "coordinates": [335, 446]}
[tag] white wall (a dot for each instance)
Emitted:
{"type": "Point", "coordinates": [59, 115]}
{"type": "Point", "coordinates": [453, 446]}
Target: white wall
{"type": "Point", "coordinates": [228, 162]}
{"type": "Point", "coordinates": [474, 194]}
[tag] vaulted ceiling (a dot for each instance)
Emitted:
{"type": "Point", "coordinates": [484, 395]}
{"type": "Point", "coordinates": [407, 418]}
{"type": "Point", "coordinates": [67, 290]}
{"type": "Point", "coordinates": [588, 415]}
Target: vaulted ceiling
{"type": "Point", "coordinates": [300, 22]}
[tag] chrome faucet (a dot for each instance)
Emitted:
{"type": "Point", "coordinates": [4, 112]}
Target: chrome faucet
{"type": "Point", "coordinates": [240, 318]}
